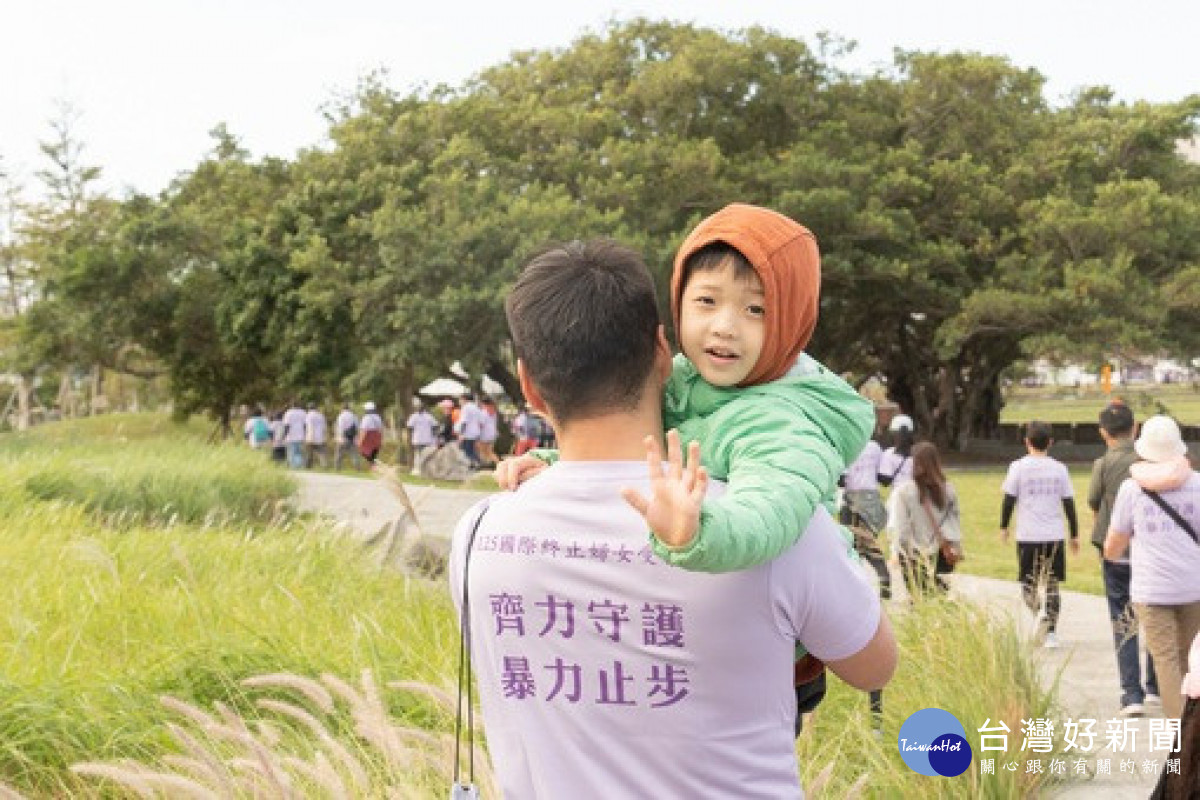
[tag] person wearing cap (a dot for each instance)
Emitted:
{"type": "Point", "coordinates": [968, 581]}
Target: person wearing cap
{"type": "Point", "coordinates": [370, 433]}
{"type": "Point", "coordinates": [1036, 486]}
{"type": "Point", "coordinates": [1157, 516]}
{"type": "Point", "coordinates": [1108, 473]}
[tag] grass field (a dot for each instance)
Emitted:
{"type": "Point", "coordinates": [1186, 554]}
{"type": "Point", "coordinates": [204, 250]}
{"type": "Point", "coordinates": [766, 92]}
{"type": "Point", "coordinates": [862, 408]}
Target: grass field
{"type": "Point", "coordinates": [138, 562]}
{"type": "Point", "coordinates": [1083, 405]}
{"type": "Point", "coordinates": [980, 498]}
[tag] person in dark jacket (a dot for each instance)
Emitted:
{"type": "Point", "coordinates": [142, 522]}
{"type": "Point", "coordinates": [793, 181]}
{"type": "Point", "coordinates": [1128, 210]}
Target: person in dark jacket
{"type": "Point", "coordinates": [1117, 427]}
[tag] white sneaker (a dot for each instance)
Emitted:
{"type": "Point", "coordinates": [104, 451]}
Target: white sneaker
{"type": "Point", "coordinates": [1051, 641]}
{"type": "Point", "coordinates": [1153, 700]}
{"type": "Point", "coordinates": [1133, 710]}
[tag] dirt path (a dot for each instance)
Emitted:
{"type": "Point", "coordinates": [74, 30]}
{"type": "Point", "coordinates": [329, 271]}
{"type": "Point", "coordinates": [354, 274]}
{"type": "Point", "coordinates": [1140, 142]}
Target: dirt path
{"type": "Point", "coordinates": [1088, 686]}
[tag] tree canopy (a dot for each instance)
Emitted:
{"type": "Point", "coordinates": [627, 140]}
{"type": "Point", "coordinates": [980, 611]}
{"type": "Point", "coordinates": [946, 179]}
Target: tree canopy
{"type": "Point", "coordinates": [965, 223]}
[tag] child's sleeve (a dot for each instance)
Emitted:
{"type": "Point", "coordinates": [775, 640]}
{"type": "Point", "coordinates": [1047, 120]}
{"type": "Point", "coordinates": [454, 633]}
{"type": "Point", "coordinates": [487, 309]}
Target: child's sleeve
{"type": "Point", "coordinates": [782, 456]}
{"type": "Point", "coordinates": [547, 455]}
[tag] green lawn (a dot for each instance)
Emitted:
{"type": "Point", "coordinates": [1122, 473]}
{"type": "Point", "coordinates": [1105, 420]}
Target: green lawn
{"type": "Point", "coordinates": [1083, 405]}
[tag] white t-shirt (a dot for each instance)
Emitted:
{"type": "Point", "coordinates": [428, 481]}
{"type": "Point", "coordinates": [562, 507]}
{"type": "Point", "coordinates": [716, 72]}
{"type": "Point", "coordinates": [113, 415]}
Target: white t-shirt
{"type": "Point", "coordinates": [371, 421]}
{"type": "Point", "coordinates": [487, 428]}
{"type": "Point", "coordinates": [1165, 561]}
{"type": "Point", "coordinates": [470, 420]}
{"type": "Point", "coordinates": [863, 474]}
{"type": "Point", "coordinates": [1040, 484]}
{"type": "Point", "coordinates": [892, 463]}
{"type": "Point", "coordinates": [317, 427]}
{"type": "Point", "coordinates": [294, 420]}
{"type": "Point", "coordinates": [423, 426]}
{"type": "Point", "coordinates": [343, 422]}
{"type": "Point", "coordinates": [604, 673]}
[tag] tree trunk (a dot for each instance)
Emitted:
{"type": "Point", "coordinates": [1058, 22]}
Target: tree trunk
{"type": "Point", "coordinates": [24, 396]}
{"type": "Point", "coordinates": [97, 402]}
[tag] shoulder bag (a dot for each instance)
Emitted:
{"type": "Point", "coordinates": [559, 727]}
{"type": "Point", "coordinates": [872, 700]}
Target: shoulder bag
{"type": "Point", "coordinates": [950, 552]}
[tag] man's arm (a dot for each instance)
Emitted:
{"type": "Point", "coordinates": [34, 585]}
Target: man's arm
{"type": "Point", "coordinates": [1096, 485]}
{"type": "Point", "coordinates": [827, 604]}
{"type": "Point", "coordinates": [873, 666]}
{"type": "Point", "coordinates": [1006, 510]}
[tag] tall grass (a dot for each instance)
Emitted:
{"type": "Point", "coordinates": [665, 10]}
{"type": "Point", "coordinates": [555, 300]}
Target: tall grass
{"type": "Point", "coordinates": [132, 468]}
{"type": "Point", "coordinates": [105, 608]}
{"type": "Point", "coordinates": [955, 657]}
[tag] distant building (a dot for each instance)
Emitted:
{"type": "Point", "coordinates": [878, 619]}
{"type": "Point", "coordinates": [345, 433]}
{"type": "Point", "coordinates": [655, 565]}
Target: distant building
{"type": "Point", "coordinates": [1189, 149]}
{"type": "Point", "coordinates": [1162, 370]}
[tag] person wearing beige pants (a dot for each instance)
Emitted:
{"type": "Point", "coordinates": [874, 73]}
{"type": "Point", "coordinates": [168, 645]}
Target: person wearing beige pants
{"type": "Point", "coordinates": [1169, 633]}
{"type": "Point", "coordinates": [1157, 514]}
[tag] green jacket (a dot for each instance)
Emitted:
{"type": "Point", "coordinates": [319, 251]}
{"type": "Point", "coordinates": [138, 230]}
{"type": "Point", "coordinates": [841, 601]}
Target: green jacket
{"type": "Point", "coordinates": [780, 446]}
{"type": "Point", "coordinates": [1109, 471]}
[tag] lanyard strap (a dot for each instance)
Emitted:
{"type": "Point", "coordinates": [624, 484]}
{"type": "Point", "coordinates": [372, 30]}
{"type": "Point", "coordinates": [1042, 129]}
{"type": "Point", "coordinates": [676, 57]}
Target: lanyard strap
{"type": "Point", "coordinates": [464, 666]}
{"type": "Point", "coordinates": [1172, 513]}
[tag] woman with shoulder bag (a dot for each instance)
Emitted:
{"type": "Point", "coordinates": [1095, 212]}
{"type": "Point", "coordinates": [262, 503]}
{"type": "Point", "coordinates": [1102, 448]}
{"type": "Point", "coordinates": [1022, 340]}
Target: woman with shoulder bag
{"type": "Point", "coordinates": [928, 532]}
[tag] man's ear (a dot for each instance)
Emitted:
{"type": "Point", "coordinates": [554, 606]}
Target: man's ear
{"type": "Point", "coordinates": [662, 354]}
{"type": "Point", "coordinates": [532, 395]}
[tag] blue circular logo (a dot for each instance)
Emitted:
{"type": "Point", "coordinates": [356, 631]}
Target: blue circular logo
{"type": "Point", "coordinates": [933, 742]}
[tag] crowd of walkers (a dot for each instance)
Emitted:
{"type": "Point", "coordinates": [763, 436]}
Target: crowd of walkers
{"type": "Point", "coordinates": [463, 430]}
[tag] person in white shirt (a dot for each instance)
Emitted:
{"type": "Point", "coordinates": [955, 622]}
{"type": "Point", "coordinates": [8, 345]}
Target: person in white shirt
{"type": "Point", "coordinates": [470, 428]}
{"type": "Point", "coordinates": [422, 436]}
{"type": "Point", "coordinates": [604, 672]}
{"type": "Point", "coordinates": [315, 437]}
{"type": "Point", "coordinates": [294, 421]}
{"type": "Point", "coordinates": [346, 441]}
{"type": "Point", "coordinates": [1039, 487]}
{"type": "Point", "coordinates": [1158, 510]}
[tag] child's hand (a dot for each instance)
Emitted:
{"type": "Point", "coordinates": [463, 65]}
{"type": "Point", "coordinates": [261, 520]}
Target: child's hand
{"type": "Point", "coordinates": [512, 472]}
{"type": "Point", "coordinates": [673, 510]}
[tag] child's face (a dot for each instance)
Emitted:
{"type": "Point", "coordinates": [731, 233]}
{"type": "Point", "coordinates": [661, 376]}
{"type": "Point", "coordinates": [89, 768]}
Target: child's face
{"type": "Point", "coordinates": [721, 325]}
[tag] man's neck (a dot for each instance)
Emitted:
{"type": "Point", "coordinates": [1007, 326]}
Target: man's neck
{"type": "Point", "coordinates": [614, 437]}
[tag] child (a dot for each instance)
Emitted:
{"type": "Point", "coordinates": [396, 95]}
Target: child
{"type": "Point", "coordinates": [1036, 485]}
{"type": "Point", "coordinates": [771, 421]}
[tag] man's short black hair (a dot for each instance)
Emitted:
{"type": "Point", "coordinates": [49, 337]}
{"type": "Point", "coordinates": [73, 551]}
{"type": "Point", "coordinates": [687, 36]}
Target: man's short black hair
{"type": "Point", "coordinates": [1117, 419]}
{"type": "Point", "coordinates": [1039, 435]}
{"type": "Point", "coordinates": [584, 321]}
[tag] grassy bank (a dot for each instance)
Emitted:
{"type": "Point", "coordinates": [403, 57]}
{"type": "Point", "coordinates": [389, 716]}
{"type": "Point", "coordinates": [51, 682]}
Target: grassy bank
{"type": "Point", "coordinates": [136, 561]}
{"type": "Point", "coordinates": [1084, 404]}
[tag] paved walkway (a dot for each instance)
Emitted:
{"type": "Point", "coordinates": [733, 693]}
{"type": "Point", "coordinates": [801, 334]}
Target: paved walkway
{"type": "Point", "coordinates": [1088, 686]}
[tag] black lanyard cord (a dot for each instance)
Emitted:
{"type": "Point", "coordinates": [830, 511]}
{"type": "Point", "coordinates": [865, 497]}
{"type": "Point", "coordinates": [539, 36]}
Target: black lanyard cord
{"type": "Point", "coordinates": [464, 667]}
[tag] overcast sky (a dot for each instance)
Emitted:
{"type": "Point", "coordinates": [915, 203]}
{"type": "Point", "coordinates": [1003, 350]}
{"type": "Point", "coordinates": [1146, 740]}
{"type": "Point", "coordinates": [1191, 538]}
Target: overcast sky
{"type": "Point", "coordinates": [152, 77]}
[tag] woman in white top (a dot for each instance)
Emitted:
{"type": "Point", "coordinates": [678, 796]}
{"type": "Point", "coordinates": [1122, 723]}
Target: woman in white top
{"type": "Point", "coordinates": [926, 512]}
{"type": "Point", "coordinates": [1158, 510]}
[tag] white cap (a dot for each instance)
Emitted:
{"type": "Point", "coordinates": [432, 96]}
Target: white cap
{"type": "Point", "coordinates": [1160, 440]}
{"type": "Point", "coordinates": [369, 406]}
{"type": "Point", "coordinates": [900, 422]}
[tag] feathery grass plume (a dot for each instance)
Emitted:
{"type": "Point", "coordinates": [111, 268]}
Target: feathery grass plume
{"type": "Point", "coordinates": [225, 754]}
{"type": "Point", "coordinates": [307, 687]}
